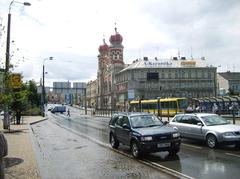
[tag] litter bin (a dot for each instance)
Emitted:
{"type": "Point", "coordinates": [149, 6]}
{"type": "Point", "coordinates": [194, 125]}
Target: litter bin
{"type": "Point", "coordinates": [6, 121]}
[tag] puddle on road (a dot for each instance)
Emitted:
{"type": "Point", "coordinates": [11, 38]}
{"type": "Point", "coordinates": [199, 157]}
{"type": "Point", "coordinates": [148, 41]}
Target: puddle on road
{"type": "Point", "coordinates": [80, 147]}
{"type": "Point", "coordinates": [61, 148]}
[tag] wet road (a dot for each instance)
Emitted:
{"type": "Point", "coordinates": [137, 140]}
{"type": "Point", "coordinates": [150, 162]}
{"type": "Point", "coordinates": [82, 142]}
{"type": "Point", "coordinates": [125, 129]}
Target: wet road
{"type": "Point", "coordinates": [194, 159]}
{"type": "Point", "coordinates": [64, 154]}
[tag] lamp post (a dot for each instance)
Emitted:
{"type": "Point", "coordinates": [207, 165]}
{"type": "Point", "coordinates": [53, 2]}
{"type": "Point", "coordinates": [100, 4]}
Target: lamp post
{"type": "Point", "coordinates": [6, 123]}
{"type": "Point", "coordinates": [9, 31]}
{"type": "Point", "coordinates": [43, 86]}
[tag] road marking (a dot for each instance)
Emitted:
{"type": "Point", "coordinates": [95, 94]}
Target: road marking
{"type": "Point", "coordinates": [149, 163]}
{"type": "Point", "coordinates": [233, 155]}
{"type": "Point", "coordinates": [192, 146]}
{"type": "Point", "coordinates": [169, 170]}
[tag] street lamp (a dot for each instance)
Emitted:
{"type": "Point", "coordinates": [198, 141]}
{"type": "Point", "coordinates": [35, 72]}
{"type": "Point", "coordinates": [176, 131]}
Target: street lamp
{"type": "Point", "coordinates": [43, 85]}
{"type": "Point", "coordinates": [6, 115]}
{"type": "Point", "coordinates": [9, 31]}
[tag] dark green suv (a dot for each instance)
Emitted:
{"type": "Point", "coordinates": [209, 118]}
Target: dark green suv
{"type": "Point", "coordinates": [144, 133]}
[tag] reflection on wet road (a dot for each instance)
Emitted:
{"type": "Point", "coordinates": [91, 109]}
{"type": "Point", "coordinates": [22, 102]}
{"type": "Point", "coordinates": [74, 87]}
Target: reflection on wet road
{"type": "Point", "coordinates": [194, 159]}
{"type": "Point", "coordinates": [64, 154]}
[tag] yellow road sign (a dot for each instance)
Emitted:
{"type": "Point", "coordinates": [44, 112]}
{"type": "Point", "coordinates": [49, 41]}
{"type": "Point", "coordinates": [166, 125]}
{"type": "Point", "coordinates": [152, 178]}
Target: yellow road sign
{"type": "Point", "coordinates": [16, 80]}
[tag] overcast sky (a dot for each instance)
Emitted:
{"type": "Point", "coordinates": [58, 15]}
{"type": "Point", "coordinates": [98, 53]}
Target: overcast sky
{"type": "Point", "coordinates": [72, 30]}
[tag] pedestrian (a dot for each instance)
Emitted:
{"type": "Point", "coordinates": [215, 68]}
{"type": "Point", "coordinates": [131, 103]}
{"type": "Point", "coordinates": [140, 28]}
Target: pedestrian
{"type": "Point", "coordinates": [215, 108]}
{"type": "Point", "coordinates": [189, 108]}
{"type": "Point", "coordinates": [3, 153]}
{"type": "Point", "coordinates": [68, 112]}
{"type": "Point", "coordinates": [198, 108]}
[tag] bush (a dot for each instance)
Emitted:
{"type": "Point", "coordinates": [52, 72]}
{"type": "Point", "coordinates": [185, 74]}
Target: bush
{"type": "Point", "coordinates": [32, 112]}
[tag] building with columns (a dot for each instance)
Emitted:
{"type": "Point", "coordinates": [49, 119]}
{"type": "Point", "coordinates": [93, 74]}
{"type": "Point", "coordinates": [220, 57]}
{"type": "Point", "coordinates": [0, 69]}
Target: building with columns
{"type": "Point", "coordinates": [110, 62]}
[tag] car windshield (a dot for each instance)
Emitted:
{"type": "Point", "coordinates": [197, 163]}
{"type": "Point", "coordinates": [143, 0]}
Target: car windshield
{"type": "Point", "coordinates": [145, 121]}
{"type": "Point", "coordinates": [213, 120]}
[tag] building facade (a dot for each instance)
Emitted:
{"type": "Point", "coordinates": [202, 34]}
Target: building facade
{"type": "Point", "coordinates": [228, 83]}
{"type": "Point", "coordinates": [110, 62]}
{"type": "Point", "coordinates": [91, 93]}
{"type": "Point", "coordinates": [65, 92]}
{"type": "Point", "coordinates": [153, 78]}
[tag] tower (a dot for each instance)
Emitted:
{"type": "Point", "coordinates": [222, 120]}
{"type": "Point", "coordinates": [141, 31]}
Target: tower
{"type": "Point", "coordinates": [110, 61]}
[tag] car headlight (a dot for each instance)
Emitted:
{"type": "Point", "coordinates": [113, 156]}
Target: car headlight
{"type": "Point", "coordinates": [176, 135]}
{"type": "Point", "coordinates": [148, 138]}
{"type": "Point", "coordinates": [228, 134]}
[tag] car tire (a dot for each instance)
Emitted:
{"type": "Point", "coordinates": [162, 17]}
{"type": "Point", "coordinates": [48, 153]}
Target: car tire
{"type": "Point", "coordinates": [211, 141]}
{"type": "Point", "coordinates": [135, 149]}
{"type": "Point", "coordinates": [174, 151]}
{"type": "Point", "coordinates": [114, 142]}
{"type": "Point", "coordinates": [237, 145]}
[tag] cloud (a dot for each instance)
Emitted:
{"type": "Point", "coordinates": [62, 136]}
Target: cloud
{"type": "Point", "coordinates": [74, 30]}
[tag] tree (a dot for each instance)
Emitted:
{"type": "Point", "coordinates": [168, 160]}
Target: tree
{"type": "Point", "coordinates": [19, 103]}
{"type": "Point", "coordinates": [33, 96]}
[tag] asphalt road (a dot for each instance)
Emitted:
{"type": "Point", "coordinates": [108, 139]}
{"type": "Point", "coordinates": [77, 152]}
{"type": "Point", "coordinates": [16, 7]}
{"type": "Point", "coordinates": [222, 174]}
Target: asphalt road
{"type": "Point", "coordinates": [62, 153]}
{"type": "Point", "coordinates": [194, 159]}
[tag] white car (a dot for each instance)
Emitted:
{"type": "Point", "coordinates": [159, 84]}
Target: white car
{"type": "Point", "coordinates": [209, 127]}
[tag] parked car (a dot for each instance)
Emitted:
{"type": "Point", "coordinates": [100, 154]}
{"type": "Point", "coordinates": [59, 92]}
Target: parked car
{"type": "Point", "coordinates": [209, 127]}
{"type": "Point", "coordinates": [144, 133]}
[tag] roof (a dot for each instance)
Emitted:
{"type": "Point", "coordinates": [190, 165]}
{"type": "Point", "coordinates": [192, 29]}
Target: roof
{"type": "Point", "coordinates": [166, 63]}
{"type": "Point", "coordinates": [197, 114]}
{"type": "Point", "coordinates": [230, 75]}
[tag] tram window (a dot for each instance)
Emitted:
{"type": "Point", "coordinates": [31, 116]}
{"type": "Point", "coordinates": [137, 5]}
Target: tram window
{"type": "Point", "coordinates": [172, 104]}
{"type": "Point", "coordinates": [164, 105]}
{"type": "Point", "coordinates": [169, 105]}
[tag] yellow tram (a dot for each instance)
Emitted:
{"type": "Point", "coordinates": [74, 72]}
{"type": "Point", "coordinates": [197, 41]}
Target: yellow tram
{"type": "Point", "coordinates": [161, 107]}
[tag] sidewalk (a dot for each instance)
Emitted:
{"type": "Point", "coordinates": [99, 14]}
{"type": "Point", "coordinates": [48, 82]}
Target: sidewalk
{"type": "Point", "coordinates": [21, 161]}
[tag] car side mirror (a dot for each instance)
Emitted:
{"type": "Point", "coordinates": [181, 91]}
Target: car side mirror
{"type": "Point", "coordinates": [125, 126]}
{"type": "Point", "coordinates": [199, 124]}
{"type": "Point", "coordinates": [165, 123]}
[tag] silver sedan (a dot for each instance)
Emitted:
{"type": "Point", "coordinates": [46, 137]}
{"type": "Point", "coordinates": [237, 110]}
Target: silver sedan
{"type": "Point", "coordinates": [206, 126]}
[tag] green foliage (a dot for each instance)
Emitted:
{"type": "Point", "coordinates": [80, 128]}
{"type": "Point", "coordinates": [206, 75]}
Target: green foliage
{"type": "Point", "coordinates": [19, 103]}
{"type": "Point", "coordinates": [24, 100]}
{"type": "Point", "coordinates": [33, 96]}
{"type": "Point", "coordinates": [32, 111]}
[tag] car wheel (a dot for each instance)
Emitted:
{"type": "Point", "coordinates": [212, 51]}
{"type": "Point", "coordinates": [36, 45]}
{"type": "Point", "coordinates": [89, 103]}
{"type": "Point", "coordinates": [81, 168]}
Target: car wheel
{"type": "Point", "coordinates": [237, 145]}
{"type": "Point", "coordinates": [211, 141]}
{"type": "Point", "coordinates": [114, 142]}
{"type": "Point", "coordinates": [173, 151]}
{"type": "Point", "coordinates": [135, 150]}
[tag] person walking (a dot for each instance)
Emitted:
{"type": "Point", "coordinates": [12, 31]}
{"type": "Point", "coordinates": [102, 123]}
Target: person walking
{"type": "Point", "coordinates": [68, 112]}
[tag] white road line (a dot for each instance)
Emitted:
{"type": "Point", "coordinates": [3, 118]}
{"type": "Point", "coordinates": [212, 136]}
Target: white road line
{"type": "Point", "coordinates": [233, 155]}
{"type": "Point", "coordinates": [191, 146]}
{"type": "Point", "coordinates": [170, 171]}
{"type": "Point", "coordinates": [149, 163]}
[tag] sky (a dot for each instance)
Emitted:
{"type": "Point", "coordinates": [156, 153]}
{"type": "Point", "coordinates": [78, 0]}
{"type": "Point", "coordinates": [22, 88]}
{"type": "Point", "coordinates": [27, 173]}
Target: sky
{"type": "Point", "coordinates": [71, 32]}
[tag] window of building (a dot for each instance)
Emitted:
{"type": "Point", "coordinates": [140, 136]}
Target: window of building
{"type": "Point", "coordinates": [176, 75]}
{"type": "Point", "coordinates": [163, 75]}
{"type": "Point", "coordinates": [152, 76]}
{"type": "Point", "coordinates": [169, 75]}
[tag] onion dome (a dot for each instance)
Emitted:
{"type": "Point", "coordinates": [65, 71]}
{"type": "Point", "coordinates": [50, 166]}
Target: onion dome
{"type": "Point", "coordinates": [103, 48]}
{"type": "Point", "coordinates": [116, 39]}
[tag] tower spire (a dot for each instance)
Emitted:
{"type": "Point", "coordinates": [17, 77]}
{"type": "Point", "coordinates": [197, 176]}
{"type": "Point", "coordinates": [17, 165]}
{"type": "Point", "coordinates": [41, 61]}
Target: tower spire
{"type": "Point", "coordinates": [115, 27]}
{"type": "Point", "coordinates": [104, 42]}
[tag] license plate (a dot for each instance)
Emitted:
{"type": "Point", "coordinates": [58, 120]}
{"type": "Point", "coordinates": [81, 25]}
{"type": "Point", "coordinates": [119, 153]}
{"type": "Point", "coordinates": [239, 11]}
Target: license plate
{"type": "Point", "coordinates": [163, 145]}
